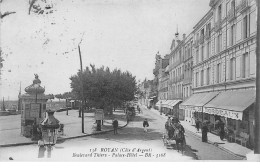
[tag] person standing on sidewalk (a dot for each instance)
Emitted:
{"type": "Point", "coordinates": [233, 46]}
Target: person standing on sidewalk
{"type": "Point", "coordinates": [145, 125]}
{"type": "Point", "coordinates": [115, 125]}
{"type": "Point", "coordinates": [221, 130]}
{"type": "Point", "coordinates": [204, 131]}
{"type": "Point", "coordinates": [197, 122]}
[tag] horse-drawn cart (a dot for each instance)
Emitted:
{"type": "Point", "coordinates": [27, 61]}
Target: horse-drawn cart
{"type": "Point", "coordinates": [174, 136]}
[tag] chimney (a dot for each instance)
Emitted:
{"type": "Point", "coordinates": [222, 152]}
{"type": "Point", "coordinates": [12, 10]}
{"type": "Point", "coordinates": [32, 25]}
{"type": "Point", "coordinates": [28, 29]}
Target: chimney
{"type": "Point", "coordinates": [184, 36]}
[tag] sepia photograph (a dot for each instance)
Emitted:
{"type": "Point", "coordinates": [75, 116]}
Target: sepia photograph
{"type": "Point", "coordinates": [129, 81]}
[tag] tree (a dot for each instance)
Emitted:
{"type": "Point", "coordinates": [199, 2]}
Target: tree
{"type": "Point", "coordinates": [103, 88]}
{"type": "Point", "coordinates": [59, 96]}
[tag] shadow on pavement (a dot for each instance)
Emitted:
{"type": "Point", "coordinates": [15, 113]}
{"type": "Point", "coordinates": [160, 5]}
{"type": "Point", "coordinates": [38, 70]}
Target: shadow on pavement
{"type": "Point", "coordinates": [132, 133]}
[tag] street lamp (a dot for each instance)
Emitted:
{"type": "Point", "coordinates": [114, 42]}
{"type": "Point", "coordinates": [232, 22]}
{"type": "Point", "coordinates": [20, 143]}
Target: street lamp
{"type": "Point", "coordinates": [49, 127]}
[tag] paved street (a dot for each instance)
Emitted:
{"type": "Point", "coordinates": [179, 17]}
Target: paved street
{"type": "Point", "coordinates": [132, 138]}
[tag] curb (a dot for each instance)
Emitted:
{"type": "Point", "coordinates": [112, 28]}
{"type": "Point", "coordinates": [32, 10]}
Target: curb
{"type": "Point", "coordinates": [62, 139]}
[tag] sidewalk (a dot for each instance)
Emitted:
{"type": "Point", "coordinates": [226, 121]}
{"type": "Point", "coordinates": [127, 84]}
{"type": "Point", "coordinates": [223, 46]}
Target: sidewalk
{"type": "Point", "coordinates": [230, 147]}
{"type": "Point", "coordinates": [10, 127]}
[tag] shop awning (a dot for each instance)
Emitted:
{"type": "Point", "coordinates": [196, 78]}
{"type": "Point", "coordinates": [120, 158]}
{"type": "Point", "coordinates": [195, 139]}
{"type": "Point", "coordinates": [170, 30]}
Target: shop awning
{"type": "Point", "coordinates": [173, 103]}
{"type": "Point", "coordinates": [231, 104]}
{"type": "Point", "coordinates": [165, 104]}
{"type": "Point", "coordinates": [160, 102]}
{"type": "Point", "coordinates": [196, 101]}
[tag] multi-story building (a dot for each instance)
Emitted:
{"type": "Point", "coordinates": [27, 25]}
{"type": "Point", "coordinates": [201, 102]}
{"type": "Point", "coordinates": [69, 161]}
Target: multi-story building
{"type": "Point", "coordinates": [162, 76]}
{"type": "Point", "coordinates": [176, 76]}
{"type": "Point", "coordinates": [145, 92]}
{"type": "Point", "coordinates": [224, 67]}
{"type": "Point", "coordinates": [187, 72]}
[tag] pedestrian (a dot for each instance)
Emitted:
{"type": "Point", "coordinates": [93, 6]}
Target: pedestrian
{"type": "Point", "coordinates": [197, 122]}
{"type": "Point", "coordinates": [204, 131]}
{"type": "Point", "coordinates": [167, 125]}
{"type": "Point", "coordinates": [115, 125]}
{"type": "Point", "coordinates": [145, 125]}
{"type": "Point", "coordinates": [221, 130]}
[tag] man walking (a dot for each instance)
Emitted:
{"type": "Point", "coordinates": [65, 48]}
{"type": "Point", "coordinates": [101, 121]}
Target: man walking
{"type": "Point", "coordinates": [145, 125]}
{"type": "Point", "coordinates": [115, 125]}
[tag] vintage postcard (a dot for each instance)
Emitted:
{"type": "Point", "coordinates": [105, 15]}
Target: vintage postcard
{"type": "Point", "coordinates": [129, 80]}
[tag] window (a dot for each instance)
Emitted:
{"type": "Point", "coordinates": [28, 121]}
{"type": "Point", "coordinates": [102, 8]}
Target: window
{"type": "Point", "coordinates": [232, 35]}
{"type": "Point", "coordinates": [197, 79]}
{"type": "Point", "coordinates": [208, 76]}
{"type": "Point", "coordinates": [197, 56]}
{"type": "Point", "coordinates": [202, 78]}
{"type": "Point", "coordinates": [219, 43]}
{"type": "Point", "coordinates": [218, 73]}
{"type": "Point", "coordinates": [233, 7]}
{"type": "Point", "coordinates": [245, 27]}
{"type": "Point", "coordinates": [209, 29]}
{"type": "Point", "coordinates": [202, 52]}
{"type": "Point", "coordinates": [202, 33]}
{"type": "Point", "coordinates": [219, 13]}
{"type": "Point", "coordinates": [245, 66]}
{"type": "Point", "coordinates": [207, 51]}
{"type": "Point", "coordinates": [232, 69]}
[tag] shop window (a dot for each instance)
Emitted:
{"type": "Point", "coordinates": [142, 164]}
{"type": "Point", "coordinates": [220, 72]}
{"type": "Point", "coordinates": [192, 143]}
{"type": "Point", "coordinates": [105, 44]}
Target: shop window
{"type": "Point", "coordinates": [243, 126]}
{"type": "Point", "coordinates": [231, 123]}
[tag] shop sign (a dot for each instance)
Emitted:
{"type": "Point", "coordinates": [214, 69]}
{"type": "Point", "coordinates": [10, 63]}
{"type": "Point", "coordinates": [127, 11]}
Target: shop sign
{"type": "Point", "coordinates": [99, 114]}
{"type": "Point", "coordinates": [224, 113]}
{"type": "Point", "coordinates": [191, 108]}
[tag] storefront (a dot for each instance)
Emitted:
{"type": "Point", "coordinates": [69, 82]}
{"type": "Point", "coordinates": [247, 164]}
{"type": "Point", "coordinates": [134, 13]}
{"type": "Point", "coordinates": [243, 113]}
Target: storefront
{"type": "Point", "coordinates": [152, 102]}
{"type": "Point", "coordinates": [235, 109]}
{"type": "Point", "coordinates": [159, 104]}
{"type": "Point", "coordinates": [173, 106]}
{"type": "Point", "coordinates": [193, 106]}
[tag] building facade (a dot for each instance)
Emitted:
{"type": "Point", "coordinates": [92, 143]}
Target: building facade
{"type": "Point", "coordinates": [176, 75]}
{"type": "Point", "coordinates": [187, 68]}
{"type": "Point", "coordinates": [224, 67]}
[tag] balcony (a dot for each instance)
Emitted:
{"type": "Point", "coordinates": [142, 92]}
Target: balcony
{"type": "Point", "coordinates": [231, 15]}
{"type": "Point", "coordinates": [243, 6]}
{"type": "Point", "coordinates": [201, 39]}
{"type": "Point", "coordinates": [217, 25]}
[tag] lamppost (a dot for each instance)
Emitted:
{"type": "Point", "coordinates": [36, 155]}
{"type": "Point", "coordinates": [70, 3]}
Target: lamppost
{"type": "Point", "coordinates": [49, 127]}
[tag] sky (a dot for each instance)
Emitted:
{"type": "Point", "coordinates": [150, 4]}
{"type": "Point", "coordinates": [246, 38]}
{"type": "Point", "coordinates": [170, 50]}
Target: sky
{"type": "Point", "coordinates": [122, 34]}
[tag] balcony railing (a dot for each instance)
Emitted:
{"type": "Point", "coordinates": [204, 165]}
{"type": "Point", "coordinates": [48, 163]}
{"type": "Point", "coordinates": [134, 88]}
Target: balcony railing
{"type": "Point", "coordinates": [231, 15]}
{"type": "Point", "coordinates": [243, 6]}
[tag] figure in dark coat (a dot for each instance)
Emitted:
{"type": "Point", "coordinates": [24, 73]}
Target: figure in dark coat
{"type": "Point", "coordinates": [198, 125]}
{"type": "Point", "coordinates": [221, 130]}
{"type": "Point", "coordinates": [145, 125]}
{"type": "Point", "coordinates": [204, 131]}
{"type": "Point", "coordinates": [115, 126]}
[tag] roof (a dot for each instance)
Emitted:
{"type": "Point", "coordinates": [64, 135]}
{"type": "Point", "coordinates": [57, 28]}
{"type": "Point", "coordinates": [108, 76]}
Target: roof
{"type": "Point", "coordinates": [233, 100]}
{"type": "Point", "coordinates": [199, 99]}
